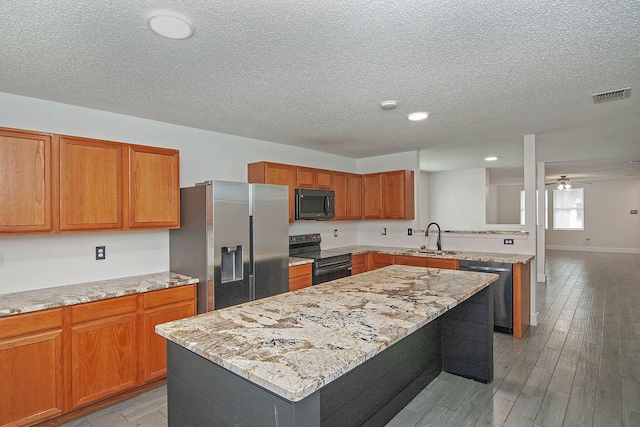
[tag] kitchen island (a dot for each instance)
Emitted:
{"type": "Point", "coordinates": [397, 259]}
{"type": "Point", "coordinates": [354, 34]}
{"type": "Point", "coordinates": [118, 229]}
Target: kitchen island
{"type": "Point", "coordinates": [349, 352]}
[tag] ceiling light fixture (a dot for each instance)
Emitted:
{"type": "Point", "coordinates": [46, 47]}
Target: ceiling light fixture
{"type": "Point", "coordinates": [388, 105]}
{"type": "Point", "coordinates": [491, 159]}
{"type": "Point", "coordinates": [171, 25]}
{"type": "Point", "coordinates": [416, 117]}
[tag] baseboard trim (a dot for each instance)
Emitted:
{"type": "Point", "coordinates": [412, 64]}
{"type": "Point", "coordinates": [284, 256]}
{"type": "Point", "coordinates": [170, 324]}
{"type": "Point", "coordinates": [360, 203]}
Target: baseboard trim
{"type": "Point", "coordinates": [542, 278]}
{"type": "Point", "coordinates": [593, 249]}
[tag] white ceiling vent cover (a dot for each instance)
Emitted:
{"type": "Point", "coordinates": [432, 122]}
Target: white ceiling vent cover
{"type": "Point", "coordinates": [613, 95]}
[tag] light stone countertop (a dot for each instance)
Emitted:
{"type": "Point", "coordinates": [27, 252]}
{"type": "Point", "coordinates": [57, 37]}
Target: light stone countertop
{"type": "Point", "coordinates": [460, 255]}
{"type": "Point", "coordinates": [295, 343]}
{"type": "Point", "coordinates": [58, 296]}
{"type": "Point", "coordinates": [293, 261]}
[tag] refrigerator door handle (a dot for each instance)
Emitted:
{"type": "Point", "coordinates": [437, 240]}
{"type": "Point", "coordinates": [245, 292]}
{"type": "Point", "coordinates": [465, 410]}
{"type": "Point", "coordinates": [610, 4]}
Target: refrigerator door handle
{"type": "Point", "coordinates": [252, 287]}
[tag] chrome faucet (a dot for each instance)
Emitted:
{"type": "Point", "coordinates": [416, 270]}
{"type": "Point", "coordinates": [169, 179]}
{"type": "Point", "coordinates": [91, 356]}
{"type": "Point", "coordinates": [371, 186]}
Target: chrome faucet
{"type": "Point", "coordinates": [426, 233]}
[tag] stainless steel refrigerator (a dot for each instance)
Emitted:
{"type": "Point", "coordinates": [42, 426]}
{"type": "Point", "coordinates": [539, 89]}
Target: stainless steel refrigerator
{"type": "Point", "coordinates": [233, 236]}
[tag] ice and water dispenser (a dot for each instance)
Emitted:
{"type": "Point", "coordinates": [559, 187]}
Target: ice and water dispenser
{"type": "Point", "coordinates": [231, 264]}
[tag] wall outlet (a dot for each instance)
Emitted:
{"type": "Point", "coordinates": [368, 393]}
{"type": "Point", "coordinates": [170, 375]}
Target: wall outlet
{"type": "Point", "coordinates": [101, 252]}
{"type": "Point", "coordinates": [335, 233]}
{"type": "Point", "coordinates": [508, 241]}
{"type": "Point", "coordinates": [409, 231]}
{"type": "Point", "coordinates": [383, 231]}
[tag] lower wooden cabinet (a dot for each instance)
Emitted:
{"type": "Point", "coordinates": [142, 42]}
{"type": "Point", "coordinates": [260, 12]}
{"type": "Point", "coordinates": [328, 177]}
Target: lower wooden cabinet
{"type": "Point", "coordinates": [31, 367]}
{"type": "Point", "coordinates": [380, 260]}
{"type": "Point", "coordinates": [418, 261]}
{"type": "Point", "coordinates": [299, 277]}
{"type": "Point", "coordinates": [54, 361]}
{"type": "Point", "coordinates": [358, 264]}
{"type": "Point", "coordinates": [161, 307]}
{"type": "Point", "coordinates": [103, 352]}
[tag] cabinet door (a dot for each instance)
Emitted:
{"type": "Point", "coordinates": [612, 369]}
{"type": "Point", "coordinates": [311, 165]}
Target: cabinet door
{"type": "Point", "coordinates": [299, 277]}
{"type": "Point", "coordinates": [381, 260]}
{"type": "Point", "coordinates": [372, 196]}
{"type": "Point", "coordinates": [154, 354]}
{"type": "Point", "coordinates": [25, 177]}
{"type": "Point", "coordinates": [90, 184]}
{"type": "Point", "coordinates": [358, 264]}
{"type": "Point", "coordinates": [398, 198]}
{"type": "Point", "coordinates": [103, 358]}
{"type": "Point", "coordinates": [354, 191]}
{"type": "Point", "coordinates": [323, 179]}
{"type": "Point", "coordinates": [154, 187]}
{"type": "Point", "coordinates": [103, 351]}
{"type": "Point", "coordinates": [305, 177]}
{"type": "Point", "coordinates": [31, 368]}
{"type": "Point", "coordinates": [275, 173]}
{"type": "Point", "coordinates": [340, 182]}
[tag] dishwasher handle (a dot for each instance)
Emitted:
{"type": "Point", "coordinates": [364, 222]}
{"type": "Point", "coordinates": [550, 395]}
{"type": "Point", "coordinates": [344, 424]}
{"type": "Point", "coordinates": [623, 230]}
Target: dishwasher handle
{"type": "Point", "coordinates": [485, 269]}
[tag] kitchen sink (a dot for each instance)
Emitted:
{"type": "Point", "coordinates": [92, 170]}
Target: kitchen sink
{"type": "Point", "coordinates": [431, 251]}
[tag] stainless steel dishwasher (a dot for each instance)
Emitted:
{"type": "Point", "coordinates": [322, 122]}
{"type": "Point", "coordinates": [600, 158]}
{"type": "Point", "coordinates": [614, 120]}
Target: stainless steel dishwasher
{"type": "Point", "coordinates": [502, 291]}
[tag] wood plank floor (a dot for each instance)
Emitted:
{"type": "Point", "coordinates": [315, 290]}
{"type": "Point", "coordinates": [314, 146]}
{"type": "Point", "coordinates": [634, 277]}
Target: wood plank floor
{"type": "Point", "coordinates": [579, 367]}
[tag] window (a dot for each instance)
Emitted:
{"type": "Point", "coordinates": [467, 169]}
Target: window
{"type": "Point", "coordinates": [568, 209]}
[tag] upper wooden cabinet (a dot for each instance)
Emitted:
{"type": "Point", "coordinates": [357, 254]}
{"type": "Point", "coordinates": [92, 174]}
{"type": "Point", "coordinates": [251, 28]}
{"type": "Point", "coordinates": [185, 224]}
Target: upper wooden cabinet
{"type": "Point", "coordinates": [25, 176]}
{"type": "Point", "coordinates": [348, 189]}
{"type": "Point", "coordinates": [388, 195]}
{"type": "Point", "coordinates": [324, 179]}
{"type": "Point", "coordinates": [57, 183]}
{"type": "Point", "coordinates": [305, 177]}
{"type": "Point", "coordinates": [381, 195]}
{"type": "Point", "coordinates": [372, 196]}
{"type": "Point", "coordinates": [154, 187]}
{"type": "Point", "coordinates": [275, 173]}
{"type": "Point", "coordinates": [397, 195]}
{"type": "Point", "coordinates": [91, 177]}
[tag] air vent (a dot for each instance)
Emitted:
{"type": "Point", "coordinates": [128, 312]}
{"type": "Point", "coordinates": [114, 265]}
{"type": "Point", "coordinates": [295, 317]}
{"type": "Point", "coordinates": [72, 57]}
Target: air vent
{"type": "Point", "coordinates": [613, 95]}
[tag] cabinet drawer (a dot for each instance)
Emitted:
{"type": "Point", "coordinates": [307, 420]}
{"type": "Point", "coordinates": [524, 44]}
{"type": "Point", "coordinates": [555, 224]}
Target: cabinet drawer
{"type": "Point", "coordinates": [21, 324]}
{"type": "Point", "coordinates": [169, 296]}
{"type": "Point", "coordinates": [416, 261]}
{"type": "Point", "coordinates": [101, 309]}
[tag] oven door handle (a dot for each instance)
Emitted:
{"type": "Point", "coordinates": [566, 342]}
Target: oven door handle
{"type": "Point", "coordinates": [321, 272]}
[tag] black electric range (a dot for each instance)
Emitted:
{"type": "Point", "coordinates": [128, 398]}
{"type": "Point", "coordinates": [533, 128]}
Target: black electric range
{"type": "Point", "coordinates": [327, 264]}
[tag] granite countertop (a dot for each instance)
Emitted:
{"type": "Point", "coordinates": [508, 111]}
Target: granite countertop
{"type": "Point", "coordinates": [466, 255]}
{"type": "Point", "coordinates": [293, 261]}
{"type": "Point", "coordinates": [295, 343]}
{"type": "Point", "coordinates": [42, 299]}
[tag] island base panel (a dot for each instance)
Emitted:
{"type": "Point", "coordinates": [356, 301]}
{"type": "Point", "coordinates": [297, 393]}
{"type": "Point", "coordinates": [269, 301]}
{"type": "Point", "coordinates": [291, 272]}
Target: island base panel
{"type": "Point", "coordinates": [201, 393]}
{"type": "Point", "coordinates": [467, 338]}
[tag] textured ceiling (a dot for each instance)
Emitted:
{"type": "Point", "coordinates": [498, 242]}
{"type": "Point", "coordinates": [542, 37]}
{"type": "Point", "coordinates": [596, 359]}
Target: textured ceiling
{"type": "Point", "coordinates": [313, 73]}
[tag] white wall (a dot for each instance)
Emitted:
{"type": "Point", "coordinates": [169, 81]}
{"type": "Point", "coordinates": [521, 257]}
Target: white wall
{"type": "Point", "coordinates": [608, 223]}
{"type": "Point", "coordinates": [457, 199]}
{"type": "Point", "coordinates": [37, 261]}
{"type": "Point", "coordinates": [508, 204]}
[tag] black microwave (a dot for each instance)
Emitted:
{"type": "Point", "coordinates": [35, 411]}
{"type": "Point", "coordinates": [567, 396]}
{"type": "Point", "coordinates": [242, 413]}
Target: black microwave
{"type": "Point", "coordinates": [315, 204]}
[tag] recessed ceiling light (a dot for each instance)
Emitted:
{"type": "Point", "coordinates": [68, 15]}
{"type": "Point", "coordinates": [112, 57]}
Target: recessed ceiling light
{"type": "Point", "coordinates": [170, 25]}
{"type": "Point", "coordinates": [416, 117]}
{"type": "Point", "coordinates": [388, 105]}
{"type": "Point", "coordinates": [491, 159]}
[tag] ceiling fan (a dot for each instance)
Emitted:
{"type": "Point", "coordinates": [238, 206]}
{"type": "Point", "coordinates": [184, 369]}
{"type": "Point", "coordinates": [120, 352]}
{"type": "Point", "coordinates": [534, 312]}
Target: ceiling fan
{"type": "Point", "coordinates": [563, 183]}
